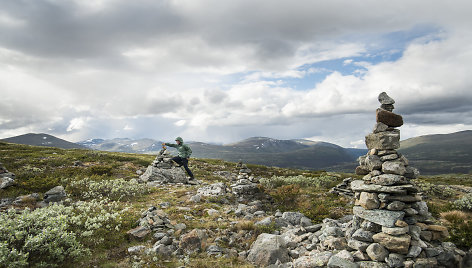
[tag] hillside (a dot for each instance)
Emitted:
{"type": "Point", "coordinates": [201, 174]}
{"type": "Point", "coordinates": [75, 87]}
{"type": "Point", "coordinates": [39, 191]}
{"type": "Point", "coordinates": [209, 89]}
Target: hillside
{"type": "Point", "coordinates": [441, 153]}
{"type": "Point", "coordinates": [42, 139]}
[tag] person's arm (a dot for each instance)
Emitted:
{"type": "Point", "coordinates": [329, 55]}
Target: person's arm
{"type": "Point", "coordinates": [170, 144]}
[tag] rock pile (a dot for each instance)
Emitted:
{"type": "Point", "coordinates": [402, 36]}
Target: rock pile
{"type": "Point", "coordinates": [344, 188]}
{"type": "Point", "coordinates": [7, 179]}
{"type": "Point", "coordinates": [163, 170]}
{"type": "Point", "coordinates": [391, 225]}
{"type": "Point", "coordinates": [245, 185]}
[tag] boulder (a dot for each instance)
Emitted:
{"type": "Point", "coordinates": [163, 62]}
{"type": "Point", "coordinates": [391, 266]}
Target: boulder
{"type": "Point", "coordinates": [6, 182]}
{"type": "Point", "coordinates": [388, 140]}
{"type": "Point", "coordinates": [296, 218]}
{"type": "Point", "coordinates": [192, 241]}
{"type": "Point", "coordinates": [164, 175]}
{"type": "Point", "coordinates": [56, 194]}
{"type": "Point", "coordinates": [268, 249]}
{"type": "Point", "coordinates": [388, 118]}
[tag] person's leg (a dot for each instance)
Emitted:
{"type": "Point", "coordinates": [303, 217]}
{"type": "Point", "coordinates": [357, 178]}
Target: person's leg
{"type": "Point", "coordinates": [185, 163]}
{"type": "Point", "coordinates": [178, 160]}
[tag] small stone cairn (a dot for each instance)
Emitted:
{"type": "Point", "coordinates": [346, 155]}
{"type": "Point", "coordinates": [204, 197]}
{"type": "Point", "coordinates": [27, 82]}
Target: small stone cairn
{"type": "Point", "coordinates": [163, 170]}
{"type": "Point", "coordinates": [245, 185]}
{"type": "Point", "coordinates": [7, 179]}
{"type": "Point", "coordinates": [391, 226]}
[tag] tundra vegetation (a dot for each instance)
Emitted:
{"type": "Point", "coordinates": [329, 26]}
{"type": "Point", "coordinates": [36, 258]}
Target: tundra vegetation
{"type": "Point", "coordinates": [105, 201]}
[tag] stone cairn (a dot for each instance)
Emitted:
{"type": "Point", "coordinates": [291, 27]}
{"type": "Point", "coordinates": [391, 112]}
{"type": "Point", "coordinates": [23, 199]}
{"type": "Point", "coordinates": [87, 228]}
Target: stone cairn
{"type": "Point", "coordinates": [246, 185]}
{"type": "Point", "coordinates": [391, 225]}
{"type": "Point", "coordinates": [163, 170]}
{"type": "Point", "coordinates": [7, 179]}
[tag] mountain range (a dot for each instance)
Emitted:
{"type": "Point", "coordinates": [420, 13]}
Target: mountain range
{"type": "Point", "coordinates": [432, 154]}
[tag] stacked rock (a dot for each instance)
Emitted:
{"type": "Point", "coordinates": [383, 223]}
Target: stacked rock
{"type": "Point", "coordinates": [163, 170]}
{"type": "Point", "coordinates": [246, 185]}
{"type": "Point", "coordinates": [7, 179]}
{"type": "Point", "coordinates": [391, 223]}
{"type": "Point", "coordinates": [344, 188]}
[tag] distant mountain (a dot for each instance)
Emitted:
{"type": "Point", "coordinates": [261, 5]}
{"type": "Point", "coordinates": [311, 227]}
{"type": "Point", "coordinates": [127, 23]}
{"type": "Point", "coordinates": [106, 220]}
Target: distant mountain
{"type": "Point", "coordinates": [124, 145]}
{"type": "Point", "coordinates": [440, 153]}
{"type": "Point", "coordinates": [42, 139]}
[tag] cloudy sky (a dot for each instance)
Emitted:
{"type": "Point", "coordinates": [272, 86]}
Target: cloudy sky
{"type": "Point", "coordinates": [221, 71]}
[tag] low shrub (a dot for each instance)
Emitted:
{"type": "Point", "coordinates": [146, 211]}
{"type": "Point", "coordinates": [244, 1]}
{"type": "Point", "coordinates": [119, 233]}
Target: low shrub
{"type": "Point", "coordinates": [323, 181]}
{"type": "Point", "coordinates": [433, 190]}
{"type": "Point", "coordinates": [464, 203]}
{"type": "Point", "coordinates": [101, 170]}
{"type": "Point", "coordinates": [117, 189]}
{"type": "Point", "coordinates": [55, 235]}
{"type": "Point", "coordinates": [459, 224]}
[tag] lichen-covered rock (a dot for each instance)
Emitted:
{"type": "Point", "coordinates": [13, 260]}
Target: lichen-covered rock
{"type": "Point", "coordinates": [268, 249]}
{"type": "Point", "coordinates": [398, 244]}
{"type": "Point", "coordinates": [377, 252]}
{"type": "Point", "coordinates": [368, 200]}
{"type": "Point", "coordinates": [382, 217]}
{"type": "Point", "coordinates": [388, 118]}
{"type": "Point", "coordinates": [214, 189]}
{"type": "Point", "coordinates": [319, 259]}
{"type": "Point", "coordinates": [164, 175]}
{"type": "Point", "coordinates": [387, 140]}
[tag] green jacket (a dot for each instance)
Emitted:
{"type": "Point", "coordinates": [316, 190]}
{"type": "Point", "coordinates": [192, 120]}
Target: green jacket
{"type": "Point", "coordinates": [184, 149]}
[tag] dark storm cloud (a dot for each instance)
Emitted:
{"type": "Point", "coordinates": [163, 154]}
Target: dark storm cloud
{"type": "Point", "coordinates": [64, 29]}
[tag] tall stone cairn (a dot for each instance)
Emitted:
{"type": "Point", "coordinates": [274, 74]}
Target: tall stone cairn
{"type": "Point", "coordinates": [391, 226]}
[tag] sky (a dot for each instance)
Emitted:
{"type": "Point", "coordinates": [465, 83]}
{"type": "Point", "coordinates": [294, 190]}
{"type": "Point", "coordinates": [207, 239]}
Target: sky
{"type": "Point", "coordinates": [222, 71]}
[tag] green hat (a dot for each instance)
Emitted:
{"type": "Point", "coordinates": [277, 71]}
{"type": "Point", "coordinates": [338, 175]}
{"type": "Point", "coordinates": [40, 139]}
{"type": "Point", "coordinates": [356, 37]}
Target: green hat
{"type": "Point", "coordinates": [179, 139]}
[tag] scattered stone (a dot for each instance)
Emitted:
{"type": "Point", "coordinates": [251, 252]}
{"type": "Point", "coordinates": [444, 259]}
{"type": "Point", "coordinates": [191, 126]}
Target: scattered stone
{"type": "Point", "coordinates": [268, 249]}
{"type": "Point", "coordinates": [6, 182]}
{"type": "Point", "coordinates": [136, 249]}
{"type": "Point", "coordinates": [318, 259]}
{"type": "Point", "coordinates": [139, 233]}
{"type": "Point", "coordinates": [56, 194]}
{"type": "Point", "coordinates": [192, 241]}
{"type": "Point", "coordinates": [215, 189]}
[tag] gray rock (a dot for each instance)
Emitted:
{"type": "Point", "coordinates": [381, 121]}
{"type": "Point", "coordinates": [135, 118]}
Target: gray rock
{"type": "Point", "coordinates": [214, 250]}
{"type": "Point", "coordinates": [6, 182]}
{"type": "Point", "coordinates": [370, 226]}
{"type": "Point", "coordinates": [357, 245]}
{"type": "Point", "coordinates": [333, 231]}
{"type": "Point", "coordinates": [377, 252]}
{"type": "Point", "coordinates": [56, 194]}
{"type": "Point", "coordinates": [319, 259]}
{"type": "Point", "coordinates": [395, 230]}
{"type": "Point", "coordinates": [136, 249]}
{"type": "Point", "coordinates": [396, 205]}
{"type": "Point", "coordinates": [344, 254]}
{"type": "Point", "coordinates": [180, 226]}
{"type": "Point", "coordinates": [164, 175]}
{"type": "Point", "coordinates": [388, 140]}
{"type": "Point", "coordinates": [382, 217]}
{"type": "Point", "coordinates": [337, 262]}
{"type": "Point", "coordinates": [313, 228]}
{"type": "Point", "coordinates": [166, 240]}
{"type": "Point", "coordinates": [411, 172]}
{"type": "Point", "coordinates": [421, 207]}
{"type": "Point", "coordinates": [385, 99]}
{"type": "Point", "coordinates": [394, 167]}
{"type": "Point", "coordinates": [389, 157]}
{"type": "Point", "coordinates": [373, 162]}
{"type": "Point", "coordinates": [245, 189]}
{"type": "Point", "coordinates": [139, 232]}
{"type": "Point", "coordinates": [380, 127]}
{"type": "Point", "coordinates": [414, 251]}
{"type": "Point", "coordinates": [215, 189]}
{"type": "Point", "coordinates": [389, 179]}
{"type": "Point", "coordinates": [296, 218]}
{"type": "Point", "coordinates": [196, 198]}
{"type": "Point", "coordinates": [363, 235]}
{"type": "Point", "coordinates": [372, 264]}
{"type": "Point", "coordinates": [360, 186]}
{"type": "Point", "coordinates": [159, 235]}
{"type": "Point", "coordinates": [268, 249]}
{"type": "Point", "coordinates": [265, 222]}
{"type": "Point", "coordinates": [395, 260]}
